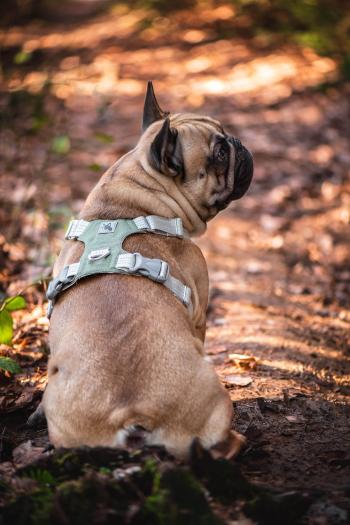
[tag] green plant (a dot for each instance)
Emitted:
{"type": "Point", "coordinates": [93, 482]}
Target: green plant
{"type": "Point", "coordinates": [61, 145]}
{"type": "Point", "coordinates": [9, 305]}
{"type": "Point", "coordinates": [9, 365]}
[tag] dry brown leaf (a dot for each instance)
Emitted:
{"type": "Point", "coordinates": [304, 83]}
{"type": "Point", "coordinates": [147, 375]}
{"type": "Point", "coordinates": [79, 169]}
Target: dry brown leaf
{"type": "Point", "coordinates": [237, 380]}
{"type": "Point", "coordinates": [294, 419]}
{"type": "Point", "coordinates": [25, 454]}
{"type": "Point", "coordinates": [244, 361]}
{"type": "Point", "coordinates": [25, 398]}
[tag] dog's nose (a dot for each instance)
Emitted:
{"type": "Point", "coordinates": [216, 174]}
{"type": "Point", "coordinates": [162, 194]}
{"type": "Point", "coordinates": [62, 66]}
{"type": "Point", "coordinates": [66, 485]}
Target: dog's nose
{"type": "Point", "coordinates": [243, 168]}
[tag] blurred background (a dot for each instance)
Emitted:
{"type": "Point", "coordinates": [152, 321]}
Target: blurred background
{"type": "Point", "coordinates": [73, 76]}
{"type": "Point", "coordinates": [276, 73]}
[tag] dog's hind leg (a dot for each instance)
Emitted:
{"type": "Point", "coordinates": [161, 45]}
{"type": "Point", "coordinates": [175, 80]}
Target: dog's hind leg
{"type": "Point", "coordinates": [216, 434]}
{"type": "Point", "coordinates": [213, 429]}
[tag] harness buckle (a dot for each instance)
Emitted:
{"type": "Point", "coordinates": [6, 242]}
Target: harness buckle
{"type": "Point", "coordinates": [164, 272]}
{"type": "Point", "coordinates": [154, 269]}
{"type": "Point", "coordinates": [138, 263]}
{"type": "Point", "coordinates": [49, 309]}
{"type": "Point", "coordinates": [134, 263]}
{"type": "Point", "coordinates": [55, 286]}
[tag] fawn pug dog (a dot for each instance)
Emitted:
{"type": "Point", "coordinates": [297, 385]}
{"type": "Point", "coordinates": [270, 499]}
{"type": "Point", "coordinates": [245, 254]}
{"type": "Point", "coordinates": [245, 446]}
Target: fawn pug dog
{"type": "Point", "coordinates": [125, 352]}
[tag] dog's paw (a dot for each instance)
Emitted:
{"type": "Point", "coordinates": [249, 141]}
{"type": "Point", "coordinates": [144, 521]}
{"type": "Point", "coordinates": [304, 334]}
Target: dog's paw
{"type": "Point", "coordinates": [230, 447]}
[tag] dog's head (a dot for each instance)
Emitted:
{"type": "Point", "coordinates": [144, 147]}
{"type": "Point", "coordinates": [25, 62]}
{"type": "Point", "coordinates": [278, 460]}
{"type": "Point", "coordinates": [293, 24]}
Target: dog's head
{"type": "Point", "coordinates": [210, 167]}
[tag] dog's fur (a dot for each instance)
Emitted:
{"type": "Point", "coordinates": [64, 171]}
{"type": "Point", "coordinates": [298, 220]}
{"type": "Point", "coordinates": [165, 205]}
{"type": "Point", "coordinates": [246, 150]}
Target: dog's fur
{"type": "Point", "coordinates": [124, 350]}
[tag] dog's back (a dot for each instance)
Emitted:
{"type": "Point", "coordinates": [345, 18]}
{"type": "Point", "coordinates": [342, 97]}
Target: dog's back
{"type": "Point", "coordinates": [121, 357]}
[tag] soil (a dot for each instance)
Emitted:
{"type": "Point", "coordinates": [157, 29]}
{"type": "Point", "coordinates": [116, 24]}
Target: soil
{"type": "Point", "coordinates": [278, 259]}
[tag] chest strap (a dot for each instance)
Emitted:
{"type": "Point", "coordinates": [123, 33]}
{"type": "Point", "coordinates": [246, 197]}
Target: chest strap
{"type": "Point", "coordinates": [103, 253]}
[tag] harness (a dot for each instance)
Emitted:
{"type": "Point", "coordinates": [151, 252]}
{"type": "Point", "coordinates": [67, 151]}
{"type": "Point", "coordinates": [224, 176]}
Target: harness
{"type": "Point", "coordinates": [104, 253]}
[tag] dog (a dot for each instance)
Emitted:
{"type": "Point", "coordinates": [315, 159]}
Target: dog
{"type": "Point", "coordinates": [125, 352]}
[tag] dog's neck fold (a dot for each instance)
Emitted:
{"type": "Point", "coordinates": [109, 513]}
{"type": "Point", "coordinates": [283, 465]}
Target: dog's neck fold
{"type": "Point", "coordinates": [131, 187]}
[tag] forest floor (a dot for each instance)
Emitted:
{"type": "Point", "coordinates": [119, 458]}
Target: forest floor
{"type": "Point", "coordinates": [279, 313]}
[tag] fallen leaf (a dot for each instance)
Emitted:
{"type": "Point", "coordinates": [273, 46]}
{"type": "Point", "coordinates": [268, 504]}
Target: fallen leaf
{"type": "Point", "coordinates": [294, 419]}
{"type": "Point", "coordinates": [24, 399]}
{"type": "Point", "coordinates": [244, 361]}
{"type": "Point", "coordinates": [25, 454]}
{"type": "Point", "coordinates": [6, 469]}
{"type": "Point", "coordinates": [238, 380]}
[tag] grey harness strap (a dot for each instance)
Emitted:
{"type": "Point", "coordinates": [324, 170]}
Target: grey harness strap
{"type": "Point", "coordinates": [103, 253]}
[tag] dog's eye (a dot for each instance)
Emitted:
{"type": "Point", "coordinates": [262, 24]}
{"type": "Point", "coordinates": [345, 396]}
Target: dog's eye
{"type": "Point", "coordinates": [221, 153]}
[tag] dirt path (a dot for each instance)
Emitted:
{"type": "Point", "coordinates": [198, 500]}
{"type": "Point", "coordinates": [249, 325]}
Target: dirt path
{"type": "Point", "coordinates": [278, 259]}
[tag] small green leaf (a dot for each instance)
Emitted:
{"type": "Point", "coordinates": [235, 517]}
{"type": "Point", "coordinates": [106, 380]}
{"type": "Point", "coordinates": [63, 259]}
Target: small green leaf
{"type": "Point", "coordinates": [38, 122]}
{"type": "Point", "coordinates": [6, 327]}
{"type": "Point", "coordinates": [22, 57]}
{"type": "Point", "coordinates": [105, 470]}
{"type": "Point", "coordinates": [15, 303]}
{"type": "Point", "coordinates": [61, 144]}
{"type": "Point", "coordinates": [9, 365]}
{"type": "Point", "coordinates": [104, 137]}
{"type": "Point", "coordinates": [95, 167]}
{"type": "Point", "coordinates": [42, 476]}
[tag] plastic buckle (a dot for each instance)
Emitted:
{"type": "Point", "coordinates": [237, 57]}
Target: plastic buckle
{"type": "Point", "coordinates": [138, 263]}
{"type": "Point", "coordinates": [163, 272]}
{"type": "Point", "coordinates": [56, 285]}
{"type": "Point", "coordinates": [49, 309]}
{"type": "Point", "coordinates": [54, 288]}
{"type": "Point", "coordinates": [155, 269]}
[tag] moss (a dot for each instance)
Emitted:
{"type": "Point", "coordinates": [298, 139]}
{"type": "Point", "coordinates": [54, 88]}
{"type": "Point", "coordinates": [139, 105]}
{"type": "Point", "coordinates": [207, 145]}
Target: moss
{"type": "Point", "coordinates": [33, 508]}
{"type": "Point", "coordinates": [43, 477]}
{"type": "Point", "coordinates": [78, 487]}
{"type": "Point", "coordinates": [156, 508]}
{"type": "Point", "coordinates": [42, 507]}
{"type": "Point", "coordinates": [177, 498]}
{"type": "Point", "coordinates": [76, 500]}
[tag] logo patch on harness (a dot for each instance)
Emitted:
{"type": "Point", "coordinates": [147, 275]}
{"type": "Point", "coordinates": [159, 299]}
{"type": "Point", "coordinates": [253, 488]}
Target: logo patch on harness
{"type": "Point", "coordinates": [107, 227]}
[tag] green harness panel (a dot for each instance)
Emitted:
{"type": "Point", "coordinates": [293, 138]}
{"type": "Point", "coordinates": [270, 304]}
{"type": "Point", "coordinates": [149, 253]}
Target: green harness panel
{"type": "Point", "coordinates": [104, 253]}
{"type": "Point", "coordinates": [106, 237]}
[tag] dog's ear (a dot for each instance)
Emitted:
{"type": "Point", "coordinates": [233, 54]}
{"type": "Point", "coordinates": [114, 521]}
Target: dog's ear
{"type": "Point", "coordinates": [166, 152]}
{"type": "Point", "coordinates": [151, 109]}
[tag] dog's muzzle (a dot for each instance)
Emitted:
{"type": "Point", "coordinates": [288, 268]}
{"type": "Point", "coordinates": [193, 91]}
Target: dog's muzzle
{"type": "Point", "coordinates": [244, 169]}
